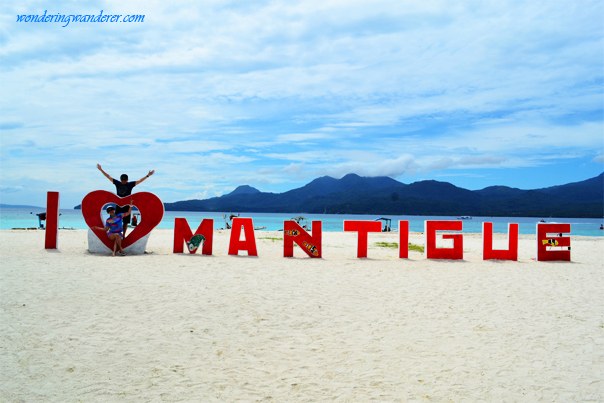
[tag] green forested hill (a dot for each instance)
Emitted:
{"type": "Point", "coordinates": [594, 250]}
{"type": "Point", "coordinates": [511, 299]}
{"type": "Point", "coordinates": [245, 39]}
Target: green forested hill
{"type": "Point", "coordinates": [354, 194]}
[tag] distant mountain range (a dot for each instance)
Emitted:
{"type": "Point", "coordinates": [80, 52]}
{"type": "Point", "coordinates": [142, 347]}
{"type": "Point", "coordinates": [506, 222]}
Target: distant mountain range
{"type": "Point", "coordinates": [354, 194]}
{"type": "Point", "coordinates": [20, 206]}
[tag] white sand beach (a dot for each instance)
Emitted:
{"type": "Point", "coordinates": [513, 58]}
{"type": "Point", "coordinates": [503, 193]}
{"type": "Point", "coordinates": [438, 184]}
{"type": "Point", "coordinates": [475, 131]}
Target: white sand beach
{"type": "Point", "coordinates": [160, 327]}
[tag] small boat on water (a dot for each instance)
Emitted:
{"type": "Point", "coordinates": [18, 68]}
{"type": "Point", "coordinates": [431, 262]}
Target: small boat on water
{"type": "Point", "coordinates": [302, 221]}
{"type": "Point", "coordinates": [464, 217]}
{"type": "Point", "coordinates": [387, 224]}
{"type": "Point", "coordinates": [228, 221]}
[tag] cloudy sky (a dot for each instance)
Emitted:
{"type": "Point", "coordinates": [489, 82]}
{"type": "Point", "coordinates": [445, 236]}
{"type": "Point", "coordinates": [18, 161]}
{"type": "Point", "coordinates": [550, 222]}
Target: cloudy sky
{"type": "Point", "coordinates": [216, 94]}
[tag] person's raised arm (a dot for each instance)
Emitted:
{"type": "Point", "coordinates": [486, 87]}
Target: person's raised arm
{"type": "Point", "coordinates": [104, 173]}
{"type": "Point", "coordinates": [129, 208]}
{"type": "Point", "coordinates": [144, 177]}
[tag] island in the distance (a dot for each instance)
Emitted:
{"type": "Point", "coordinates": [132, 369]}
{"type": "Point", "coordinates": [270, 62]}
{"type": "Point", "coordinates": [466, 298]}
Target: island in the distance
{"type": "Point", "coordinates": [354, 194]}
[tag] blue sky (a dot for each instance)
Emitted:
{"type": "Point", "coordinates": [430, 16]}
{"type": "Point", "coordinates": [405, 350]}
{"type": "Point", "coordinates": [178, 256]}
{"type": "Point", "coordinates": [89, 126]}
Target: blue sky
{"type": "Point", "coordinates": [217, 94]}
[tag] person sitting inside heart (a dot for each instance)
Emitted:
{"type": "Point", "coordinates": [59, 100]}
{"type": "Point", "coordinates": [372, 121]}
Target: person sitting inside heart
{"type": "Point", "coordinates": [114, 227]}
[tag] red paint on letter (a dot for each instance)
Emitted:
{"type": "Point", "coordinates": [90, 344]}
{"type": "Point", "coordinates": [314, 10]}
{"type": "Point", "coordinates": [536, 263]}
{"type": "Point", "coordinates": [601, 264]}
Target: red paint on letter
{"type": "Point", "coordinates": [292, 232]}
{"type": "Point", "coordinates": [182, 234]}
{"type": "Point", "coordinates": [362, 227]}
{"type": "Point", "coordinates": [545, 243]}
{"type": "Point", "coordinates": [488, 253]}
{"type": "Point", "coordinates": [51, 238]}
{"type": "Point", "coordinates": [249, 244]}
{"type": "Point", "coordinates": [432, 252]}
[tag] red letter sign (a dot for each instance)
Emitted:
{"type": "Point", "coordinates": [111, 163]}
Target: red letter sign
{"type": "Point", "coordinates": [488, 253]}
{"type": "Point", "coordinates": [51, 240]}
{"type": "Point", "coordinates": [403, 239]}
{"type": "Point", "coordinates": [545, 243]}
{"type": "Point", "coordinates": [182, 234]}
{"type": "Point", "coordinates": [249, 245]}
{"type": "Point", "coordinates": [432, 252]}
{"type": "Point", "coordinates": [362, 227]}
{"type": "Point", "coordinates": [292, 232]}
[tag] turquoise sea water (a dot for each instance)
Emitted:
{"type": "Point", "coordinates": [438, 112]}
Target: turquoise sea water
{"type": "Point", "coordinates": [24, 218]}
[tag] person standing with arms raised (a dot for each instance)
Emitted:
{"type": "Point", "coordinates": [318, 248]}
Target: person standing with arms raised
{"type": "Point", "coordinates": [123, 188]}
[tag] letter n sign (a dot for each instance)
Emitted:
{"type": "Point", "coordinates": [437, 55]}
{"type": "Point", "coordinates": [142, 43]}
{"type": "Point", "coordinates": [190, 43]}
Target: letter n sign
{"type": "Point", "coordinates": [292, 232]}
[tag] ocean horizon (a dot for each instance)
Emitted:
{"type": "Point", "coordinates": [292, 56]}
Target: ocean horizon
{"type": "Point", "coordinates": [18, 217]}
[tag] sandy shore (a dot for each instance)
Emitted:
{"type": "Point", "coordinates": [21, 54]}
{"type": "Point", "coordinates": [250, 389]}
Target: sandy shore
{"type": "Point", "coordinates": [76, 326]}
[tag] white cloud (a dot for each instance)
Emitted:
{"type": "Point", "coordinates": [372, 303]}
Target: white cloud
{"type": "Point", "coordinates": [218, 91]}
{"type": "Point", "coordinates": [199, 195]}
{"type": "Point", "coordinates": [301, 137]}
{"type": "Point", "coordinates": [376, 166]}
{"type": "Point", "coordinates": [481, 160]}
{"type": "Point", "coordinates": [441, 164]}
{"type": "Point", "coordinates": [11, 189]}
{"type": "Point", "coordinates": [404, 164]}
{"type": "Point", "coordinates": [266, 171]}
{"type": "Point", "coordinates": [295, 169]}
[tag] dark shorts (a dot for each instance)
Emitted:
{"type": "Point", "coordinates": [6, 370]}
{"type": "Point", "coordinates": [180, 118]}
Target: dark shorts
{"type": "Point", "coordinates": [126, 219]}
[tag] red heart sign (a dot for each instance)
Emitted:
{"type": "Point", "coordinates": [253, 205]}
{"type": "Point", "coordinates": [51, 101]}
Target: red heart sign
{"type": "Point", "coordinates": [150, 206]}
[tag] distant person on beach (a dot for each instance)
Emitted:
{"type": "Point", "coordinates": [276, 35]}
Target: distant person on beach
{"type": "Point", "coordinates": [113, 227]}
{"type": "Point", "coordinates": [123, 188]}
